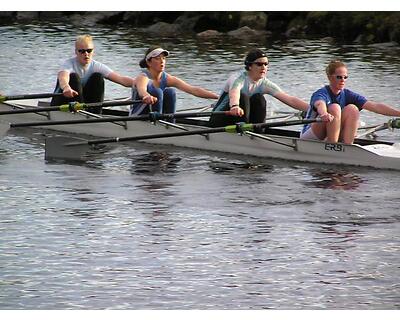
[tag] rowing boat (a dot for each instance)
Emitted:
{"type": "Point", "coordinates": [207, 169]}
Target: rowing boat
{"type": "Point", "coordinates": [275, 143]}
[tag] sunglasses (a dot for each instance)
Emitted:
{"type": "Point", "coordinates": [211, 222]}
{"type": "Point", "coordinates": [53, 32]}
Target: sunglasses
{"type": "Point", "coordinates": [260, 64]}
{"type": "Point", "coordinates": [342, 77]}
{"type": "Point", "coordinates": [82, 51]}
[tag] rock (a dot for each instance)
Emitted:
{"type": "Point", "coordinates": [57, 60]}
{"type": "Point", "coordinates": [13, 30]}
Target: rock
{"type": "Point", "coordinates": [220, 21]}
{"type": "Point", "coordinates": [27, 15]}
{"type": "Point", "coordinates": [246, 32]}
{"type": "Point", "coordinates": [53, 15]}
{"type": "Point", "coordinates": [148, 18]}
{"type": "Point", "coordinates": [187, 21]}
{"type": "Point", "coordinates": [253, 20]}
{"type": "Point", "coordinates": [294, 31]}
{"type": "Point", "coordinates": [7, 17]}
{"type": "Point", "coordinates": [163, 29]}
{"type": "Point", "coordinates": [107, 17]}
{"type": "Point", "coordinates": [209, 34]}
{"type": "Point", "coordinates": [328, 39]}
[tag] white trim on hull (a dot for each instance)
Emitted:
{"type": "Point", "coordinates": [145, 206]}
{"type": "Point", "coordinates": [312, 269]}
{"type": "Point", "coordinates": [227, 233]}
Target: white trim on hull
{"type": "Point", "coordinates": [379, 155]}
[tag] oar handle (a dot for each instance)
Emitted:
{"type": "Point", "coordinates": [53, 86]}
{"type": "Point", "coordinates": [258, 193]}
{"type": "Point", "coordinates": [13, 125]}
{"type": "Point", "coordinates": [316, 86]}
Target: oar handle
{"type": "Point", "coordinates": [29, 96]}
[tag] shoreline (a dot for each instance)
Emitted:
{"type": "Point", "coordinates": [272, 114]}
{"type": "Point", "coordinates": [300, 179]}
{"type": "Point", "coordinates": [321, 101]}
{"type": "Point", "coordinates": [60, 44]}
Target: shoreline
{"type": "Point", "coordinates": [353, 27]}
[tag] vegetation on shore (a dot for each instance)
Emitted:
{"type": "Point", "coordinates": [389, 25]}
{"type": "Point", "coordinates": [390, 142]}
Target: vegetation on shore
{"type": "Point", "coordinates": [360, 27]}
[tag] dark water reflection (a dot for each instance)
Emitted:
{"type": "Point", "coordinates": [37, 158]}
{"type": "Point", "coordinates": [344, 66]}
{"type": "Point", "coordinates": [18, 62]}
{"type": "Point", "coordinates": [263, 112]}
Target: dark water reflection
{"type": "Point", "coordinates": [335, 179]}
{"type": "Point", "coordinates": [139, 226]}
{"type": "Point", "coordinates": [154, 162]}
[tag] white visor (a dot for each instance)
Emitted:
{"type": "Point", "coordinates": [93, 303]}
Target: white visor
{"type": "Point", "coordinates": [156, 53]}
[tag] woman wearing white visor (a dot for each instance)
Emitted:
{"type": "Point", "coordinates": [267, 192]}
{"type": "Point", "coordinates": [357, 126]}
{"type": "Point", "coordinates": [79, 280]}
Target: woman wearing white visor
{"type": "Point", "coordinates": [154, 86]}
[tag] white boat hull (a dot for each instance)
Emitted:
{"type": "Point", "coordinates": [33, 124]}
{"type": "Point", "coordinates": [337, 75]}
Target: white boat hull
{"type": "Point", "coordinates": [378, 155]}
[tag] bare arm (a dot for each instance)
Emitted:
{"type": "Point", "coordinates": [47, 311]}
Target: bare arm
{"type": "Point", "coordinates": [234, 102]}
{"type": "Point", "coordinates": [381, 108]}
{"type": "Point", "coordinates": [193, 90]}
{"type": "Point", "coordinates": [322, 110]}
{"type": "Point", "coordinates": [122, 80]}
{"type": "Point", "coordinates": [292, 101]}
{"type": "Point", "coordinates": [63, 81]}
{"type": "Point", "coordinates": [141, 86]}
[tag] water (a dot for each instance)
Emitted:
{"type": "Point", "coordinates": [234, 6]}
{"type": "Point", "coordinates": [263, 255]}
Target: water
{"type": "Point", "coordinates": [150, 227]}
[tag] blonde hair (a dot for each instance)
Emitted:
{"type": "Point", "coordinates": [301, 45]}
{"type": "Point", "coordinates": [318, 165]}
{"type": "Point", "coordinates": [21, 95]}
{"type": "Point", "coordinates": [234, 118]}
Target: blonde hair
{"type": "Point", "coordinates": [332, 66]}
{"type": "Point", "coordinates": [86, 38]}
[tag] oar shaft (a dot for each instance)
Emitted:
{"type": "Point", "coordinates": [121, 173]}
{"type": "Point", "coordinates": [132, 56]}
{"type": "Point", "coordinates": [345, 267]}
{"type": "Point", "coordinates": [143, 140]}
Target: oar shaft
{"type": "Point", "coordinates": [74, 149]}
{"type": "Point", "coordinates": [285, 123]}
{"type": "Point", "coordinates": [29, 96]}
{"type": "Point", "coordinates": [237, 128]}
{"type": "Point", "coordinates": [31, 110]}
{"type": "Point", "coordinates": [73, 106]}
{"type": "Point", "coordinates": [156, 136]}
{"type": "Point", "coordinates": [151, 116]}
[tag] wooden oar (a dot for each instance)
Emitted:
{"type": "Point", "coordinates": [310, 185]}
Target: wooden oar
{"type": "Point", "coordinates": [71, 107]}
{"type": "Point", "coordinates": [29, 96]}
{"type": "Point", "coordinates": [70, 148]}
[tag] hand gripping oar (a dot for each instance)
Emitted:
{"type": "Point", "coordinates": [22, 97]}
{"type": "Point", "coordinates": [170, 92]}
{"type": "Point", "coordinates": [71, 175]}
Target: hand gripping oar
{"type": "Point", "coordinates": [71, 107]}
{"type": "Point", "coordinates": [29, 96]}
{"type": "Point", "coordinates": [69, 148]}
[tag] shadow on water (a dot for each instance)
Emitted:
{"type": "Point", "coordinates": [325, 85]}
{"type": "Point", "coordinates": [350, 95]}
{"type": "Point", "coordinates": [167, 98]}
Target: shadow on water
{"type": "Point", "coordinates": [225, 166]}
{"type": "Point", "coordinates": [333, 178]}
{"type": "Point", "coordinates": [154, 162]}
{"type": "Point", "coordinates": [91, 160]}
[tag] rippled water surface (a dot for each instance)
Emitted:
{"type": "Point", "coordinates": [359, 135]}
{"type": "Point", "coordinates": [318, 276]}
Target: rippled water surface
{"type": "Point", "coordinates": [148, 227]}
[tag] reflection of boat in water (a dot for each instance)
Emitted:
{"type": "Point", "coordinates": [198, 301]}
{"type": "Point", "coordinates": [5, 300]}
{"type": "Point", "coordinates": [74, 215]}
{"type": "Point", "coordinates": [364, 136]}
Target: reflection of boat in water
{"type": "Point", "coordinates": [334, 179]}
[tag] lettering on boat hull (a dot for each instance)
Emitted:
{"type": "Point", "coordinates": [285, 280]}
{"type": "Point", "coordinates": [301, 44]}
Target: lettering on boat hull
{"type": "Point", "coordinates": [334, 147]}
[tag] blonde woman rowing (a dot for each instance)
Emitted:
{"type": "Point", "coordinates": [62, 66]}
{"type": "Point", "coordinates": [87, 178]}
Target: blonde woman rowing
{"type": "Point", "coordinates": [339, 108]}
{"type": "Point", "coordinates": [82, 79]}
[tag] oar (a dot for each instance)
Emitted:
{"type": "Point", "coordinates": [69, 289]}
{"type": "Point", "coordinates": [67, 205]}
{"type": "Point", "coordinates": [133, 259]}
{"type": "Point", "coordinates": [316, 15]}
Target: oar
{"type": "Point", "coordinates": [372, 130]}
{"type": "Point", "coordinates": [70, 148]}
{"type": "Point", "coordinates": [152, 116]}
{"type": "Point", "coordinates": [71, 107]}
{"type": "Point", "coordinates": [29, 96]}
{"type": "Point", "coordinates": [391, 124]}
{"type": "Point", "coordinates": [196, 108]}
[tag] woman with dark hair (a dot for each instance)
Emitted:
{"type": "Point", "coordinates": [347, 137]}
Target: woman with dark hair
{"type": "Point", "coordinates": [243, 93]}
{"type": "Point", "coordinates": [339, 108]}
{"type": "Point", "coordinates": [155, 87]}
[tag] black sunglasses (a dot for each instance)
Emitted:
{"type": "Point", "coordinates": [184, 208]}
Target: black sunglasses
{"type": "Point", "coordinates": [342, 77]}
{"type": "Point", "coordinates": [85, 50]}
{"type": "Point", "coordinates": [260, 64]}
